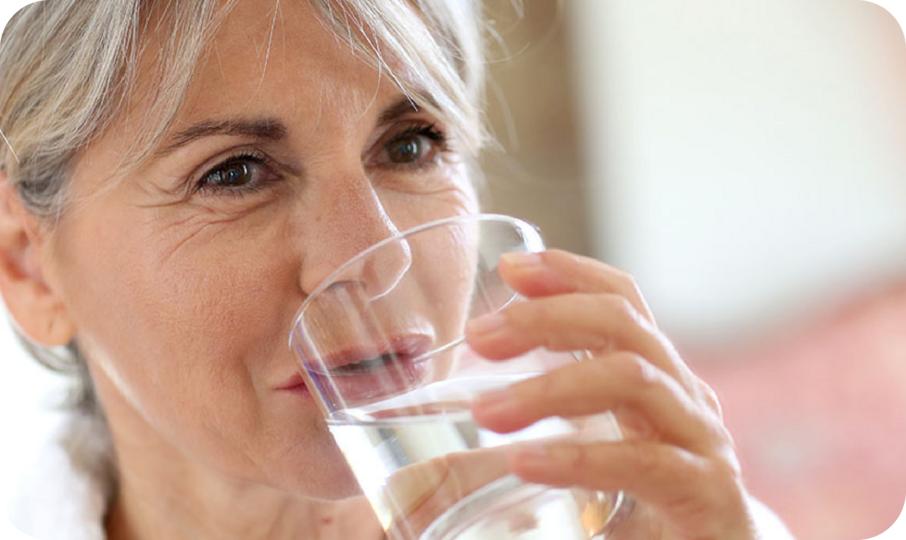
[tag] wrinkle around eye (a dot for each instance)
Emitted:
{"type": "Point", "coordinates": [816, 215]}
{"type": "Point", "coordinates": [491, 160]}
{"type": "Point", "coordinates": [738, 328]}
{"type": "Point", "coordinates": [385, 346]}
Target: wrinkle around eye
{"type": "Point", "coordinates": [448, 176]}
{"type": "Point", "coordinates": [210, 217]}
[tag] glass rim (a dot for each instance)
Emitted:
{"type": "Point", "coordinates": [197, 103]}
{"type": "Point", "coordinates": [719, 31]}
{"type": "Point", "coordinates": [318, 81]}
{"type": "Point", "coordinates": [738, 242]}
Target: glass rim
{"type": "Point", "coordinates": [492, 217]}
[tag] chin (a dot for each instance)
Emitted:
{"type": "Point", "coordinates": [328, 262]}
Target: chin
{"type": "Point", "coordinates": [327, 487]}
{"type": "Point", "coordinates": [335, 492]}
{"type": "Point", "coordinates": [318, 474]}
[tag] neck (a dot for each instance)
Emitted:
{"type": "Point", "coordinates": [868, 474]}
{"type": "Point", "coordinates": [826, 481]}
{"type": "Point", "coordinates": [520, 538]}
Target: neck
{"type": "Point", "coordinates": [163, 493]}
{"type": "Point", "coordinates": [147, 510]}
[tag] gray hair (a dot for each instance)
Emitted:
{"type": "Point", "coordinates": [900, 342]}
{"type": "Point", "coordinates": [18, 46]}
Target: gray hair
{"type": "Point", "coordinates": [68, 66]}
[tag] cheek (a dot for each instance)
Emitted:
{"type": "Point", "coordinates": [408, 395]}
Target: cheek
{"type": "Point", "coordinates": [454, 279]}
{"type": "Point", "coordinates": [445, 193]}
{"type": "Point", "coordinates": [446, 258]}
{"type": "Point", "coordinates": [445, 261]}
{"type": "Point", "coordinates": [197, 304]}
{"type": "Point", "coordinates": [193, 341]}
{"type": "Point", "coordinates": [190, 324]}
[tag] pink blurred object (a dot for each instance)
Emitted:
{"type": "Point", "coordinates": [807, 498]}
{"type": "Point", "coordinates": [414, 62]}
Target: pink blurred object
{"type": "Point", "coordinates": [819, 417]}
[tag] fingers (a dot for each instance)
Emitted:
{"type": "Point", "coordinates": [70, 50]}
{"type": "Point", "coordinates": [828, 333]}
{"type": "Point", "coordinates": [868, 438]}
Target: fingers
{"type": "Point", "coordinates": [417, 494]}
{"type": "Point", "coordinates": [693, 493]}
{"type": "Point", "coordinates": [555, 272]}
{"type": "Point", "coordinates": [561, 323]}
{"type": "Point", "coordinates": [559, 272]}
{"type": "Point", "coordinates": [620, 380]}
{"type": "Point", "coordinates": [576, 321]}
{"type": "Point", "coordinates": [681, 460]}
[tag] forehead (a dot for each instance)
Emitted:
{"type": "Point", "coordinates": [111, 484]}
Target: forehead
{"type": "Point", "coordinates": [277, 58]}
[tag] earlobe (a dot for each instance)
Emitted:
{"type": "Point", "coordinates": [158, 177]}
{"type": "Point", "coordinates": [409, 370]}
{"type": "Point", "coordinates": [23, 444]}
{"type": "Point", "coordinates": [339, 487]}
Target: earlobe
{"type": "Point", "coordinates": [36, 309]}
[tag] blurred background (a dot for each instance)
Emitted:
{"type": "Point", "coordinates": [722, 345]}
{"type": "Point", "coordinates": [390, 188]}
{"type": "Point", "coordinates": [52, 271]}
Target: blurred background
{"type": "Point", "coordinates": [746, 161]}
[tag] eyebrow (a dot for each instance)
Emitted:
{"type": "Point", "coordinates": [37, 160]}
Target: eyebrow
{"type": "Point", "coordinates": [270, 129]}
{"type": "Point", "coordinates": [261, 128]}
{"type": "Point", "coordinates": [401, 107]}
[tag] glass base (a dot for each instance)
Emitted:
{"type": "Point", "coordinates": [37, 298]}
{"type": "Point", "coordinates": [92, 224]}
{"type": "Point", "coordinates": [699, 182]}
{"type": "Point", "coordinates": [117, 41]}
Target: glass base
{"type": "Point", "coordinates": [510, 509]}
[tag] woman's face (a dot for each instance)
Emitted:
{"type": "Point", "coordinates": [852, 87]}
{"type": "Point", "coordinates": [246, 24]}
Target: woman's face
{"type": "Point", "coordinates": [289, 156]}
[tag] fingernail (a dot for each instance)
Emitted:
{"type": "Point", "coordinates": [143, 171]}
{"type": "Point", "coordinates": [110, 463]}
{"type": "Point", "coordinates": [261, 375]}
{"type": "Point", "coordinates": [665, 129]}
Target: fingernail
{"type": "Point", "coordinates": [522, 259]}
{"type": "Point", "coordinates": [495, 403]}
{"type": "Point", "coordinates": [486, 324]}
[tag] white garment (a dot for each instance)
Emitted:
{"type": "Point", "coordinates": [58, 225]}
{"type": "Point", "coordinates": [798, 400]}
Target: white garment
{"type": "Point", "coordinates": [64, 496]}
{"type": "Point", "coordinates": [65, 493]}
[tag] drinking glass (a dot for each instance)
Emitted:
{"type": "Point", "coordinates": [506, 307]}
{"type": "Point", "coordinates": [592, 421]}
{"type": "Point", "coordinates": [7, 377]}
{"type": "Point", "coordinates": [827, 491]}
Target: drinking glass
{"type": "Point", "coordinates": [381, 347]}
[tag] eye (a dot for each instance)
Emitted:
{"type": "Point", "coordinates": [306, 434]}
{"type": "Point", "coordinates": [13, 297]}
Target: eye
{"type": "Point", "coordinates": [231, 175]}
{"type": "Point", "coordinates": [237, 175]}
{"type": "Point", "coordinates": [407, 149]}
{"type": "Point", "coordinates": [415, 146]}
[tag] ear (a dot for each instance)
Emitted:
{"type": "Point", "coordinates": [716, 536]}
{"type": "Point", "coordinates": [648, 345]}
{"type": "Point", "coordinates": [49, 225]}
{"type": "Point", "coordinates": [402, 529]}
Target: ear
{"type": "Point", "coordinates": [37, 309]}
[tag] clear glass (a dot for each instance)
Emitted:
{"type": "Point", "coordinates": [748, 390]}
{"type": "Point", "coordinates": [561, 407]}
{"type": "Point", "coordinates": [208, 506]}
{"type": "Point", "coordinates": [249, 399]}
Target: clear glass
{"type": "Point", "coordinates": [381, 347]}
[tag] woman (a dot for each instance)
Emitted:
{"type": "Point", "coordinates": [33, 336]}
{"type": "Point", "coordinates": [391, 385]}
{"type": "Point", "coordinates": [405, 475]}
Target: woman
{"type": "Point", "coordinates": [180, 174]}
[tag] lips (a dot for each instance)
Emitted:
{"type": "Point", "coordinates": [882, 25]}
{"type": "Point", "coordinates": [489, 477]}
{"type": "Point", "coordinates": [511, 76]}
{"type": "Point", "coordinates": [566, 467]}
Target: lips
{"type": "Point", "coordinates": [294, 383]}
{"type": "Point", "coordinates": [375, 356]}
{"type": "Point", "coordinates": [365, 371]}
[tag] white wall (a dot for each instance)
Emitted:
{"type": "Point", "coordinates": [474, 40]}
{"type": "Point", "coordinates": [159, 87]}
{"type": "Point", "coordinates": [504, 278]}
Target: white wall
{"type": "Point", "coordinates": [746, 158]}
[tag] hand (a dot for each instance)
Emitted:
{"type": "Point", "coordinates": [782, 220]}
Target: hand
{"type": "Point", "coordinates": [677, 459]}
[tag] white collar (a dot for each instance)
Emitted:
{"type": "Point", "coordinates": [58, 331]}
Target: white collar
{"type": "Point", "coordinates": [65, 493]}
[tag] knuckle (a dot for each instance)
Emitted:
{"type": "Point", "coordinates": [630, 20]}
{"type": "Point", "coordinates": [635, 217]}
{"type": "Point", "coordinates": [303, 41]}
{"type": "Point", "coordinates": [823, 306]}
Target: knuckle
{"type": "Point", "coordinates": [726, 465]}
{"type": "Point", "coordinates": [716, 439]}
{"type": "Point", "coordinates": [681, 467]}
{"type": "Point", "coordinates": [648, 462]}
{"type": "Point", "coordinates": [727, 493]}
{"type": "Point", "coordinates": [713, 402]}
{"type": "Point", "coordinates": [597, 368]}
{"type": "Point", "coordinates": [622, 282]}
{"type": "Point", "coordinates": [585, 311]}
{"type": "Point", "coordinates": [551, 340]}
{"type": "Point", "coordinates": [596, 372]}
{"type": "Point", "coordinates": [634, 370]}
{"type": "Point", "coordinates": [625, 280]}
{"type": "Point", "coordinates": [621, 310]}
{"type": "Point", "coordinates": [619, 305]}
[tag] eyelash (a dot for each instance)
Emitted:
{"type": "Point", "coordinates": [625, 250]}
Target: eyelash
{"type": "Point", "coordinates": [427, 130]}
{"type": "Point", "coordinates": [431, 131]}
{"type": "Point", "coordinates": [246, 156]}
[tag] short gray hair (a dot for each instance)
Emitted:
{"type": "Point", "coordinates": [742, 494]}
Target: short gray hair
{"type": "Point", "coordinates": [68, 66]}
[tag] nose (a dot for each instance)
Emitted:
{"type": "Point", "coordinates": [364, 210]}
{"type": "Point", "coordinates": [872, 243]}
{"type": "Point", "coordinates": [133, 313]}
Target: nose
{"type": "Point", "coordinates": [350, 219]}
